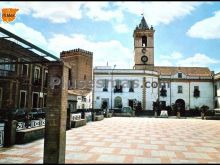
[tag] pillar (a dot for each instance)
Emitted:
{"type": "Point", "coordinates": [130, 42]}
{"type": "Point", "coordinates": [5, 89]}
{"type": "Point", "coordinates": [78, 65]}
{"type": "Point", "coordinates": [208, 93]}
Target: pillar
{"type": "Point", "coordinates": [55, 126]}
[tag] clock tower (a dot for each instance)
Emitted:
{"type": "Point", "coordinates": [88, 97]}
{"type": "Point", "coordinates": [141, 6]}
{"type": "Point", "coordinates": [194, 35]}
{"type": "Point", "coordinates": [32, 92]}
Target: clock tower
{"type": "Point", "coordinates": [144, 46]}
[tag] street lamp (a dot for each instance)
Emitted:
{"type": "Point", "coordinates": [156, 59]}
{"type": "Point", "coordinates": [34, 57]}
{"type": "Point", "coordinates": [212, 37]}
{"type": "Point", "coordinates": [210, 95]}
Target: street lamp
{"type": "Point", "coordinates": [112, 85]}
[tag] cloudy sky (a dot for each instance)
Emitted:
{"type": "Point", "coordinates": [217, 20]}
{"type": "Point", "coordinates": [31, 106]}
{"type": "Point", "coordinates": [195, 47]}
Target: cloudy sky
{"type": "Point", "coordinates": [186, 33]}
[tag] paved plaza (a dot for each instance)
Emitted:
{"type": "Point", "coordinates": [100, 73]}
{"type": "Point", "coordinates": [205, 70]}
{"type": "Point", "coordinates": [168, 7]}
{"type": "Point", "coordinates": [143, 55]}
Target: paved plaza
{"type": "Point", "coordinates": [131, 140]}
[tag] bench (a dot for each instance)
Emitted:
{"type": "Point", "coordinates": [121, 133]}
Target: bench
{"type": "Point", "coordinates": [76, 120]}
{"type": "Point", "coordinates": [123, 114]}
{"type": "Point", "coordinates": [28, 135]}
{"type": "Point", "coordinates": [99, 117]}
{"type": "Point", "coordinates": [108, 115]}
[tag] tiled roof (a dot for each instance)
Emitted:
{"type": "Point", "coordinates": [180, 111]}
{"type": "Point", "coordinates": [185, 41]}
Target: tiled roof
{"type": "Point", "coordinates": [79, 92]}
{"type": "Point", "coordinates": [190, 71]}
{"type": "Point", "coordinates": [217, 76]}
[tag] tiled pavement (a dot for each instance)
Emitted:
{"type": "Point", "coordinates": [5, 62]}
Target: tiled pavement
{"type": "Point", "coordinates": [131, 140]}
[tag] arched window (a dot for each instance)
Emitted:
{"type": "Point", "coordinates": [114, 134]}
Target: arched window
{"type": "Point", "coordinates": [118, 102]}
{"type": "Point", "coordinates": [144, 41]}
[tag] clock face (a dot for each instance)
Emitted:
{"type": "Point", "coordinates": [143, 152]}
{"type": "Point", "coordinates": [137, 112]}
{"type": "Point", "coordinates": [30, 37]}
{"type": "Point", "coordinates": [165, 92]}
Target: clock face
{"type": "Point", "coordinates": [144, 59]}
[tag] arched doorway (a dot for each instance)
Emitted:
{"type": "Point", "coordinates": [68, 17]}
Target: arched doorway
{"type": "Point", "coordinates": [118, 102]}
{"type": "Point", "coordinates": [104, 104]}
{"type": "Point", "coordinates": [181, 104]}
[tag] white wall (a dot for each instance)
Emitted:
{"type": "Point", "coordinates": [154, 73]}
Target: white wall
{"type": "Point", "coordinates": [206, 91]}
{"type": "Point", "coordinates": [87, 103]}
{"type": "Point", "coordinates": [217, 98]}
{"type": "Point", "coordinates": [206, 94]}
{"type": "Point", "coordinates": [151, 93]}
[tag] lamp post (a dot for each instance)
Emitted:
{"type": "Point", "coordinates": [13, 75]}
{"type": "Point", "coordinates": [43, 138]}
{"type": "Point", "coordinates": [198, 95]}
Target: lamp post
{"type": "Point", "coordinates": [112, 85]}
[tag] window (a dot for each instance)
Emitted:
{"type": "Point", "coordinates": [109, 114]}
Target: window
{"type": "Point", "coordinates": [105, 85]}
{"type": "Point", "coordinates": [45, 100]}
{"type": "Point", "coordinates": [118, 102]}
{"type": "Point", "coordinates": [144, 41]}
{"type": "Point", "coordinates": [45, 77]}
{"type": "Point", "coordinates": [180, 75]}
{"type": "Point", "coordinates": [7, 69]}
{"type": "Point", "coordinates": [70, 79]}
{"type": "Point", "coordinates": [196, 91]}
{"type": "Point", "coordinates": [24, 70]}
{"type": "Point", "coordinates": [84, 77]}
{"type": "Point", "coordinates": [83, 98]}
{"type": "Point", "coordinates": [35, 98]}
{"type": "Point", "coordinates": [180, 89]}
{"type": "Point", "coordinates": [22, 102]}
{"type": "Point", "coordinates": [163, 91]}
{"type": "Point", "coordinates": [118, 86]}
{"type": "Point", "coordinates": [131, 86]}
{"type": "Point", "coordinates": [1, 93]}
{"type": "Point", "coordinates": [36, 75]}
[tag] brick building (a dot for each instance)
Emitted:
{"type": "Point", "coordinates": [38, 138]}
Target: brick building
{"type": "Point", "coordinates": [24, 85]}
{"type": "Point", "coordinates": [81, 63]}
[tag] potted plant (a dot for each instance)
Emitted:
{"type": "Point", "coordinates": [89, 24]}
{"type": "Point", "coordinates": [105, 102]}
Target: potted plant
{"type": "Point", "coordinates": [203, 110]}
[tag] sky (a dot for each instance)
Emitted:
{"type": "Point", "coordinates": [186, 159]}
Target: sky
{"type": "Point", "coordinates": [187, 33]}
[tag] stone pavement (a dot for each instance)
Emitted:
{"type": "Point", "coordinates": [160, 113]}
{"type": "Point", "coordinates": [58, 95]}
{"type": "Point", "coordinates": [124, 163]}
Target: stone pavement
{"type": "Point", "coordinates": [131, 140]}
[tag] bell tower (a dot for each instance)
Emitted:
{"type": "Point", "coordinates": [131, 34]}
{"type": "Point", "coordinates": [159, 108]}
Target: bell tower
{"type": "Point", "coordinates": [144, 46]}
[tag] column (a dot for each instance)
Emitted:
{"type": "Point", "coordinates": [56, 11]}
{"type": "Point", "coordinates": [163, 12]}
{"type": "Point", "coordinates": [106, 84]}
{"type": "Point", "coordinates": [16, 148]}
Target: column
{"type": "Point", "coordinates": [55, 126]}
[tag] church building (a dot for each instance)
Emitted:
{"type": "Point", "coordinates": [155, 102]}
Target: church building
{"type": "Point", "coordinates": [145, 83]}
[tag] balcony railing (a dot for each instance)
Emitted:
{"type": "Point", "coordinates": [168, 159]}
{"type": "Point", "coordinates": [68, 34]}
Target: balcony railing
{"type": "Point", "coordinates": [7, 73]}
{"type": "Point", "coordinates": [118, 89]}
{"type": "Point", "coordinates": [163, 92]}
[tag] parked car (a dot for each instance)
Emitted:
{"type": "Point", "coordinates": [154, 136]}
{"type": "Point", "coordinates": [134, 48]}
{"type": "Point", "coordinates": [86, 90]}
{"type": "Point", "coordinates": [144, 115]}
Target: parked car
{"type": "Point", "coordinates": [37, 113]}
{"type": "Point", "coordinates": [16, 114]}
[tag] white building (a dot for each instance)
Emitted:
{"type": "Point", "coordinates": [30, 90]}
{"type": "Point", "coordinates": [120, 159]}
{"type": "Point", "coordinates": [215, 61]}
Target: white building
{"type": "Point", "coordinates": [190, 86]}
{"type": "Point", "coordinates": [217, 91]}
{"type": "Point", "coordinates": [79, 99]}
{"type": "Point", "coordinates": [127, 87]}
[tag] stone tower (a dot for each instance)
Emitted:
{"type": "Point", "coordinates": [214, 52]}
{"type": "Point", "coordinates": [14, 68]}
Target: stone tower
{"type": "Point", "coordinates": [144, 46]}
{"type": "Point", "coordinates": [81, 62]}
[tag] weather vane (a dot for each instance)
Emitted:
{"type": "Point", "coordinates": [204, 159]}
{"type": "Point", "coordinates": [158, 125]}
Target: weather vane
{"type": "Point", "coordinates": [142, 12]}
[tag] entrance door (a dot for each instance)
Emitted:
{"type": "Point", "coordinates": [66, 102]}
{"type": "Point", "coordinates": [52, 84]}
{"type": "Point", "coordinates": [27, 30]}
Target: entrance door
{"type": "Point", "coordinates": [131, 103]}
{"type": "Point", "coordinates": [181, 104]}
{"type": "Point", "coordinates": [104, 103]}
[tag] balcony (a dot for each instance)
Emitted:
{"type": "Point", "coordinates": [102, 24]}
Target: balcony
{"type": "Point", "coordinates": [118, 89]}
{"type": "Point", "coordinates": [196, 93]}
{"type": "Point", "coordinates": [105, 90]}
{"type": "Point", "coordinates": [131, 89]}
{"type": "Point", "coordinates": [163, 92]}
